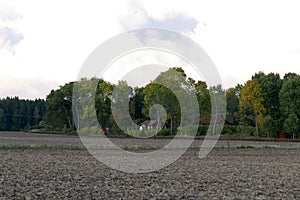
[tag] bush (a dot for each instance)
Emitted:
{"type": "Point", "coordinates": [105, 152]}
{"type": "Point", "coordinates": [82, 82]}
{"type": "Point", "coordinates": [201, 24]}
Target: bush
{"type": "Point", "coordinates": [65, 129]}
{"type": "Point", "coordinates": [230, 130]}
{"type": "Point", "coordinates": [94, 130]}
{"type": "Point", "coordinates": [49, 127]}
{"type": "Point", "coordinates": [116, 131]}
{"type": "Point", "coordinates": [38, 126]}
{"type": "Point", "coordinates": [202, 130]}
{"type": "Point", "coordinates": [164, 132]}
{"type": "Point", "coordinates": [141, 133]}
{"type": "Point", "coordinates": [268, 128]}
{"type": "Point", "coordinates": [246, 130]}
{"type": "Point", "coordinates": [291, 126]}
{"type": "Point", "coordinates": [187, 130]}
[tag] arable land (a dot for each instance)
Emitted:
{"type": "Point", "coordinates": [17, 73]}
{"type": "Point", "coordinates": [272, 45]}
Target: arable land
{"type": "Point", "coordinates": [45, 166]}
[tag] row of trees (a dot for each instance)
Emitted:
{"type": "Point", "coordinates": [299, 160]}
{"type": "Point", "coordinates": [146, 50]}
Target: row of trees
{"type": "Point", "coordinates": [113, 102]}
{"type": "Point", "coordinates": [260, 107]}
{"type": "Point", "coordinates": [18, 114]}
{"type": "Point", "coordinates": [267, 103]}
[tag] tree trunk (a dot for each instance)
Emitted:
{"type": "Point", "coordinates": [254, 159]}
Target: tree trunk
{"type": "Point", "coordinates": [68, 119]}
{"type": "Point", "coordinates": [171, 118]}
{"type": "Point", "coordinates": [214, 127]}
{"type": "Point", "coordinates": [157, 126]}
{"type": "Point", "coordinates": [256, 126]}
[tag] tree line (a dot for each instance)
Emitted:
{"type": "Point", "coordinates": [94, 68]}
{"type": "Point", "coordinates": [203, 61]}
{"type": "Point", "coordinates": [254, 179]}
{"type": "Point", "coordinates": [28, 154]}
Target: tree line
{"type": "Point", "coordinates": [260, 107]}
{"type": "Point", "coordinates": [19, 114]}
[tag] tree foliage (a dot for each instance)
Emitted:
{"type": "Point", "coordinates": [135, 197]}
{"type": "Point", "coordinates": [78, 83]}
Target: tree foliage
{"type": "Point", "coordinates": [232, 104]}
{"type": "Point", "coordinates": [290, 104]}
{"type": "Point", "coordinates": [271, 85]}
{"type": "Point", "coordinates": [59, 107]}
{"type": "Point", "coordinates": [264, 104]}
{"type": "Point", "coordinates": [291, 126]}
{"type": "Point", "coordinates": [251, 104]}
{"type": "Point", "coordinates": [161, 91]}
{"type": "Point", "coordinates": [290, 97]}
{"type": "Point", "coordinates": [202, 93]}
{"type": "Point", "coordinates": [19, 114]}
{"type": "Point", "coordinates": [268, 127]}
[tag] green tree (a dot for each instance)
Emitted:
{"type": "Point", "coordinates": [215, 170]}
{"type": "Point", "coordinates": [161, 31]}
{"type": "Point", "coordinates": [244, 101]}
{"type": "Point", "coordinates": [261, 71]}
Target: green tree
{"type": "Point", "coordinates": [16, 120]}
{"type": "Point", "coordinates": [103, 102]}
{"type": "Point", "coordinates": [120, 105]}
{"type": "Point", "coordinates": [232, 104]}
{"type": "Point", "coordinates": [268, 127]}
{"type": "Point", "coordinates": [59, 107]}
{"type": "Point", "coordinates": [88, 97]}
{"type": "Point", "coordinates": [17, 114]}
{"type": "Point", "coordinates": [289, 75]}
{"type": "Point", "coordinates": [291, 125]}
{"type": "Point", "coordinates": [290, 97]}
{"type": "Point", "coordinates": [202, 93]}
{"type": "Point", "coordinates": [36, 115]}
{"type": "Point", "coordinates": [238, 89]}
{"type": "Point", "coordinates": [137, 104]}
{"type": "Point", "coordinates": [270, 85]}
{"type": "Point", "coordinates": [86, 88]}
{"type": "Point", "coordinates": [161, 91]}
{"type": "Point", "coordinates": [218, 109]}
{"type": "Point", "coordinates": [158, 94]}
{"type": "Point", "coordinates": [2, 120]}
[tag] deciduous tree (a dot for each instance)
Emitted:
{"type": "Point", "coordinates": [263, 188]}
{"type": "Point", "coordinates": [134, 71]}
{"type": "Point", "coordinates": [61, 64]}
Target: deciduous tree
{"type": "Point", "coordinates": [270, 85]}
{"type": "Point", "coordinates": [291, 126]}
{"type": "Point", "coordinates": [251, 104]}
{"type": "Point", "coordinates": [232, 104]}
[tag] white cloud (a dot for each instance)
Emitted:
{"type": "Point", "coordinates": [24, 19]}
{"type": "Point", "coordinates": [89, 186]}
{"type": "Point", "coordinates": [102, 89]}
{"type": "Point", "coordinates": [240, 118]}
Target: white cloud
{"type": "Point", "coordinates": [25, 87]}
{"type": "Point", "coordinates": [241, 37]}
{"type": "Point", "coordinates": [138, 17]}
{"type": "Point", "coordinates": [140, 67]}
{"type": "Point", "coordinates": [9, 36]}
{"type": "Point", "coordinates": [7, 13]}
{"type": "Point", "coordinates": [135, 16]}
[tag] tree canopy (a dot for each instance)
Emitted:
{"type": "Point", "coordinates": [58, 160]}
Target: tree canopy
{"type": "Point", "coordinates": [265, 104]}
{"type": "Point", "coordinates": [251, 104]}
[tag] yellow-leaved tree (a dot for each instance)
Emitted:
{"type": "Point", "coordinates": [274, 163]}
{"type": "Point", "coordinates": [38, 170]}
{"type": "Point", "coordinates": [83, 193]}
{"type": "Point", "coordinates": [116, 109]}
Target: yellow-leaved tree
{"type": "Point", "coordinates": [251, 107]}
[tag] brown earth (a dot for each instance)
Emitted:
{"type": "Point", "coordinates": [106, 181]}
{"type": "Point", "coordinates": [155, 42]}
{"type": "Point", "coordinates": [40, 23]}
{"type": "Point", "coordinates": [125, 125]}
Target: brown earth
{"type": "Point", "coordinates": [226, 173]}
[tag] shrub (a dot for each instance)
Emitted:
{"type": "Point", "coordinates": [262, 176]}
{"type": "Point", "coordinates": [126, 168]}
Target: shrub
{"type": "Point", "coordinates": [94, 130]}
{"type": "Point", "coordinates": [116, 131]}
{"type": "Point", "coordinates": [38, 126]}
{"type": "Point", "coordinates": [164, 132]}
{"type": "Point", "coordinates": [202, 130]}
{"type": "Point", "coordinates": [268, 128]}
{"type": "Point", "coordinates": [141, 133]}
{"type": "Point", "coordinates": [230, 130]}
{"type": "Point", "coordinates": [49, 127]}
{"type": "Point", "coordinates": [291, 126]}
{"type": "Point", "coordinates": [246, 130]}
{"type": "Point", "coordinates": [187, 130]}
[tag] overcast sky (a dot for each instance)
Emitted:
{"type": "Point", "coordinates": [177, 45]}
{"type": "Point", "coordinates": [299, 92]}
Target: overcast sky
{"type": "Point", "coordinates": [43, 44]}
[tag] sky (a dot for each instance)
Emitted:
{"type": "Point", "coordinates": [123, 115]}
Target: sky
{"type": "Point", "coordinates": [43, 44]}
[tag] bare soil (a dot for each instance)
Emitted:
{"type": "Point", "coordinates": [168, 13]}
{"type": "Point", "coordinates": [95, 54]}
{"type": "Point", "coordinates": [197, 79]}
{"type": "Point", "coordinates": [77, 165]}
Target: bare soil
{"type": "Point", "coordinates": [226, 173]}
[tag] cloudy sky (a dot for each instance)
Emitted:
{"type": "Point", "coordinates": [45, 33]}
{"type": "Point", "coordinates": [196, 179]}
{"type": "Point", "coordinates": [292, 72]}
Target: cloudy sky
{"type": "Point", "coordinates": [43, 44]}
